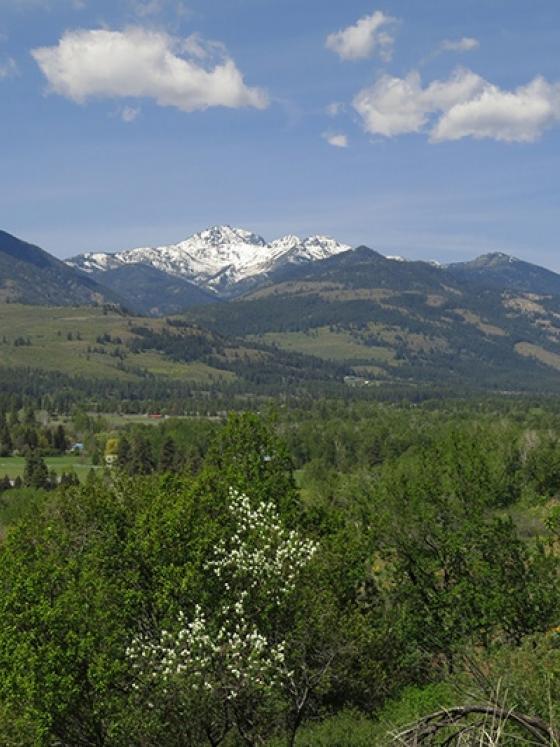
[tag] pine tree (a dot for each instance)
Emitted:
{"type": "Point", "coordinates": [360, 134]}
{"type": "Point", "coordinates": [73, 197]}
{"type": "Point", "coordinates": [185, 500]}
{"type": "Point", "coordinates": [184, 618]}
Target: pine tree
{"type": "Point", "coordinates": [6, 444]}
{"type": "Point", "coordinates": [35, 473]}
{"type": "Point", "coordinates": [60, 442]}
{"type": "Point", "coordinates": [167, 456]}
{"type": "Point", "coordinates": [30, 439]}
{"type": "Point", "coordinates": [142, 462]}
{"type": "Point", "coordinates": [29, 415]}
{"type": "Point", "coordinates": [124, 455]}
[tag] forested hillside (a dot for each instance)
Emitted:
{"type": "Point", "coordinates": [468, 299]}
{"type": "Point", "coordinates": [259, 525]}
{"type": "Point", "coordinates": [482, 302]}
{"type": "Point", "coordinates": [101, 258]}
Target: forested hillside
{"type": "Point", "coordinates": [403, 321]}
{"type": "Point", "coordinates": [317, 314]}
{"type": "Point", "coordinates": [107, 356]}
{"type": "Point", "coordinates": [30, 275]}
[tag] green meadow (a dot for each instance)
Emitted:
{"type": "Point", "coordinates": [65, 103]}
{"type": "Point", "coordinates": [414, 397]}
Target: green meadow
{"type": "Point", "coordinates": [14, 466]}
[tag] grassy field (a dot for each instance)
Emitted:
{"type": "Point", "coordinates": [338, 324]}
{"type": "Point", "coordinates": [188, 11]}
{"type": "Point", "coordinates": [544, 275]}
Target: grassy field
{"type": "Point", "coordinates": [13, 466]}
{"type": "Point", "coordinates": [538, 352]}
{"type": "Point", "coordinates": [60, 338]}
{"type": "Point", "coordinates": [321, 342]}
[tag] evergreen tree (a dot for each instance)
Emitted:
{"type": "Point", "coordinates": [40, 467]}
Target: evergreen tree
{"type": "Point", "coordinates": [124, 455]}
{"type": "Point", "coordinates": [142, 462]}
{"type": "Point", "coordinates": [168, 454]}
{"type": "Point", "coordinates": [29, 415]}
{"type": "Point", "coordinates": [30, 440]}
{"type": "Point", "coordinates": [69, 479]}
{"type": "Point", "coordinates": [60, 442]}
{"type": "Point", "coordinates": [6, 444]}
{"type": "Point", "coordinates": [35, 473]}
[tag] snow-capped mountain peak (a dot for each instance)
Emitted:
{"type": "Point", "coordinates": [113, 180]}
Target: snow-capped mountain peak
{"type": "Point", "coordinates": [218, 258]}
{"type": "Point", "coordinates": [225, 235]}
{"type": "Point", "coordinates": [286, 243]}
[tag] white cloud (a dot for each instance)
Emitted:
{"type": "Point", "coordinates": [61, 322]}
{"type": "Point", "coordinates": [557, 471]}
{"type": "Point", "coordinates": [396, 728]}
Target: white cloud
{"type": "Point", "coordinates": [335, 108]}
{"type": "Point", "coordinates": [466, 44]}
{"type": "Point", "coordinates": [338, 140]}
{"type": "Point", "coordinates": [464, 105]}
{"type": "Point", "coordinates": [203, 49]}
{"type": "Point", "coordinates": [367, 37]}
{"type": "Point", "coordinates": [142, 63]}
{"type": "Point", "coordinates": [130, 113]}
{"type": "Point", "coordinates": [512, 116]}
{"type": "Point", "coordinates": [8, 68]}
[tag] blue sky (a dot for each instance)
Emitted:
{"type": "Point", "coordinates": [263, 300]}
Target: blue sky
{"type": "Point", "coordinates": [427, 128]}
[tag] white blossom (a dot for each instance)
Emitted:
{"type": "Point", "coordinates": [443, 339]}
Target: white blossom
{"type": "Point", "coordinates": [226, 651]}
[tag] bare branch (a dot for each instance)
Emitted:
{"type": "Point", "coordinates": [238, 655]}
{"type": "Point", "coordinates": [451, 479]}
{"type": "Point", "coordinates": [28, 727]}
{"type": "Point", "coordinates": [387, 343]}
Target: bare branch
{"type": "Point", "coordinates": [430, 725]}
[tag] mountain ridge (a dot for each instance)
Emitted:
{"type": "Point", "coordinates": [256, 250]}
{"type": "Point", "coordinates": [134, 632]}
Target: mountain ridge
{"type": "Point", "coordinates": [29, 274]}
{"type": "Point", "coordinates": [221, 259]}
{"type": "Point", "coordinates": [227, 262]}
{"type": "Point", "coordinates": [502, 271]}
{"type": "Point", "coordinates": [406, 321]}
{"type": "Point", "coordinates": [493, 322]}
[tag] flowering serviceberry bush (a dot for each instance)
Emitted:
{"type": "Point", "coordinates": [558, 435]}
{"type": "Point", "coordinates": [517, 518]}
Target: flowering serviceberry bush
{"type": "Point", "coordinates": [235, 651]}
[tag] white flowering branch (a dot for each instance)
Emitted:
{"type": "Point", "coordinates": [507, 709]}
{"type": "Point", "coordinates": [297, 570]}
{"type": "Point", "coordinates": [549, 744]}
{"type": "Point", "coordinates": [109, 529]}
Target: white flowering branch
{"type": "Point", "coordinates": [229, 652]}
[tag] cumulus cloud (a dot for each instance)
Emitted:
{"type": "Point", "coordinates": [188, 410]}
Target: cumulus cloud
{"type": "Point", "coordinates": [370, 35]}
{"type": "Point", "coordinates": [464, 105]}
{"type": "Point", "coordinates": [466, 44]}
{"type": "Point", "coordinates": [396, 106]}
{"type": "Point", "coordinates": [512, 116]}
{"type": "Point", "coordinates": [338, 140]}
{"type": "Point", "coordinates": [138, 63]}
{"type": "Point", "coordinates": [8, 68]}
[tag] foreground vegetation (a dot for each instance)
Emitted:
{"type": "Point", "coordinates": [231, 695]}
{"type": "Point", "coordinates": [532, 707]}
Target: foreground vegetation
{"type": "Point", "coordinates": [405, 590]}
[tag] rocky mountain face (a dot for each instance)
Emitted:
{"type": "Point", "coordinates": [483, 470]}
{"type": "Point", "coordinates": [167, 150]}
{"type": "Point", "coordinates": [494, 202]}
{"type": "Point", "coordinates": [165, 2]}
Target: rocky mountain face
{"type": "Point", "coordinates": [222, 260]}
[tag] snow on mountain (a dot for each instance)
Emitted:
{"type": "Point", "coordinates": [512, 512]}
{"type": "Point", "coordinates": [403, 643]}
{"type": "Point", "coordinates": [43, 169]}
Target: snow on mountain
{"type": "Point", "coordinates": [219, 258]}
